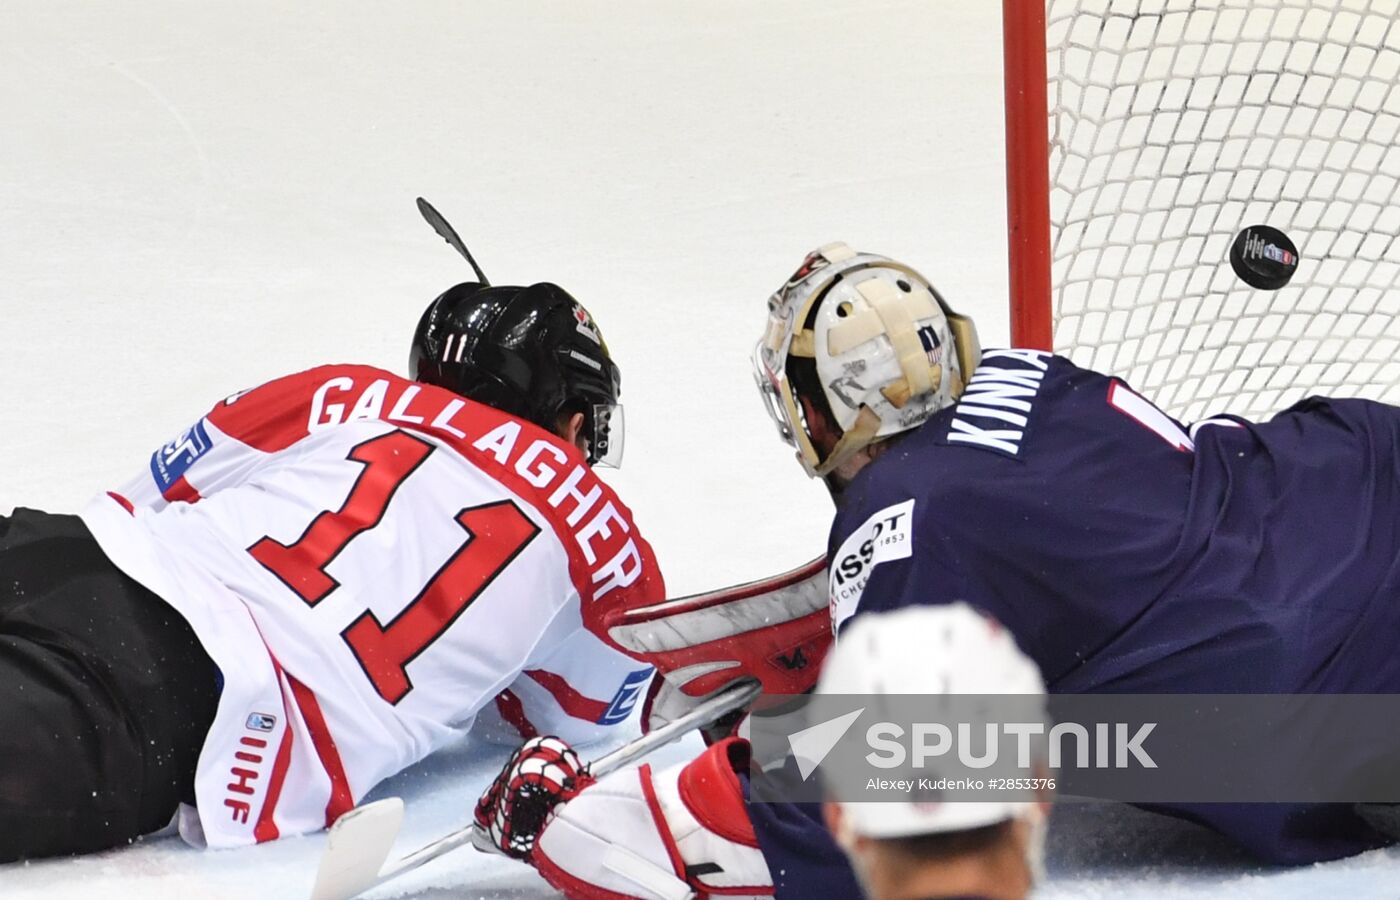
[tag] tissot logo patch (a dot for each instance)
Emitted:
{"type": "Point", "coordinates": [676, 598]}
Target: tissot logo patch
{"type": "Point", "coordinates": [886, 535]}
{"type": "Point", "coordinates": [171, 462]}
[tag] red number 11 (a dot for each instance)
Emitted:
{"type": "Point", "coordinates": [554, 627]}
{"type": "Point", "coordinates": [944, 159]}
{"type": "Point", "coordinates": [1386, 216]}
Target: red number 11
{"type": "Point", "coordinates": [495, 534]}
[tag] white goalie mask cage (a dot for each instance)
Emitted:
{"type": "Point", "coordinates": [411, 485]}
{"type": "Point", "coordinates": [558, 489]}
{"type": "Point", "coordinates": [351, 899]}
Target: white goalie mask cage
{"type": "Point", "coordinates": [889, 352]}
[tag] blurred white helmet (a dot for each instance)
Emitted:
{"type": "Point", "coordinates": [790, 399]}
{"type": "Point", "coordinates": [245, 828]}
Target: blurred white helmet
{"type": "Point", "coordinates": [888, 350]}
{"type": "Point", "coordinates": [949, 649]}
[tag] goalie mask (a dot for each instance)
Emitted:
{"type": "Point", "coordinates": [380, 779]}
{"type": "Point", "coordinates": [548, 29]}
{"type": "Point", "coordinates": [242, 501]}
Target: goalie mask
{"type": "Point", "coordinates": [873, 337]}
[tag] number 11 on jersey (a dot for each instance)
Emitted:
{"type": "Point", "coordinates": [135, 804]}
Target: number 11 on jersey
{"type": "Point", "coordinates": [495, 534]}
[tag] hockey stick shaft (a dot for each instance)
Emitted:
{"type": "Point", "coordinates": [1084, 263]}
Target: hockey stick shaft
{"type": "Point", "coordinates": [712, 710]}
{"type": "Point", "coordinates": [449, 234]}
{"type": "Point", "coordinates": [716, 707]}
{"type": "Point", "coordinates": [333, 882]}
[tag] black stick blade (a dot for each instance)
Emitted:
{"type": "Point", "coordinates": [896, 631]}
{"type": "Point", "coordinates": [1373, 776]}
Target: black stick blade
{"type": "Point", "coordinates": [446, 232]}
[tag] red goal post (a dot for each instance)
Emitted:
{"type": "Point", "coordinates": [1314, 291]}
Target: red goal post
{"type": "Point", "coordinates": [1143, 135]}
{"type": "Point", "coordinates": [1027, 172]}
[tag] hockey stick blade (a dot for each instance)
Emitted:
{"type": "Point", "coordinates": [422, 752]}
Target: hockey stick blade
{"type": "Point", "coordinates": [341, 876]}
{"type": "Point", "coordinates": [447, 233]}
{"type": "Point", "coordinates": [356, 847]}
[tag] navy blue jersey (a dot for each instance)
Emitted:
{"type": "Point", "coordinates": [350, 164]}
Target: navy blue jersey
{"type": "Point", "coordinates": [1130, 555]}
{"type": "Point", "coordinates": [1127, 555]}
{"type": "Point", "coordinates": [802, 858]}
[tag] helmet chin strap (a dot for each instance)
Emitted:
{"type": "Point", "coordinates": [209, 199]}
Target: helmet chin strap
{"type": "Point", "coordinates": [856, 438]}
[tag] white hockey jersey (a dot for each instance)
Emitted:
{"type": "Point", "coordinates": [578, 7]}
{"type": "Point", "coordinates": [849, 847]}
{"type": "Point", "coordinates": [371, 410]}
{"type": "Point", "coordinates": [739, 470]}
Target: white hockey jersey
{"type": "Point", "coordinates": [372, 562]}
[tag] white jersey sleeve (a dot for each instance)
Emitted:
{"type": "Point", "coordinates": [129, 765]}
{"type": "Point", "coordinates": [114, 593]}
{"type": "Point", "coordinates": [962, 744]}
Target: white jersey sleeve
{"type": "Point", "coordinates": [370, 563]}
{"type": "Point", "coordinates": [576, 690]}
{"type": "Point", "coordinates": [204, 454]}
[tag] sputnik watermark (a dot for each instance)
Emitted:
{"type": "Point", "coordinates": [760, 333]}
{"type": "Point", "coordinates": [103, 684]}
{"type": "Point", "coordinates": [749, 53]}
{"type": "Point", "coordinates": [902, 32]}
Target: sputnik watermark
{"type": "Point", "coordinates": [939, 785]}
{"type": "Point", "coordinates": [1134, 748]}
{"type": "Point", "coordinates": [888, 752]}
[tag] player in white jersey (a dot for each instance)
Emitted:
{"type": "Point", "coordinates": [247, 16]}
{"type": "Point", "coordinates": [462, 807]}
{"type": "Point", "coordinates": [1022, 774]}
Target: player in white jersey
{"type": "Point", "coordinates": [362, 566]}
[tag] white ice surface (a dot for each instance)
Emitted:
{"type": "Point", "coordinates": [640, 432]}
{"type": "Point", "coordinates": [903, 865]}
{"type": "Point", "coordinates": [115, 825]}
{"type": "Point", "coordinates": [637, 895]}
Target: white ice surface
{"type": "Point", "coordinates": [197, 196]}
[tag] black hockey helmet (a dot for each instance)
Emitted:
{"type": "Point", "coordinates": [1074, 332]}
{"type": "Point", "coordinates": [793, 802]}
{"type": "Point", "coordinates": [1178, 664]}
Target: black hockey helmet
{"type": "Point", "coordinates": [533, 352]}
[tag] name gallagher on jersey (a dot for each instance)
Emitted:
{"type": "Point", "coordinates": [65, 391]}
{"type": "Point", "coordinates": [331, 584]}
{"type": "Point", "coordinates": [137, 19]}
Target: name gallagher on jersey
{"type": "Point", "coordinates": [444, 415]}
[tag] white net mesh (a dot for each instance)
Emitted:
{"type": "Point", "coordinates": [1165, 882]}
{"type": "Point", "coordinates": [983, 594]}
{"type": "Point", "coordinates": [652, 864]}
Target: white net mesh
{"type": "Point", "coordinates": [1174, 124]}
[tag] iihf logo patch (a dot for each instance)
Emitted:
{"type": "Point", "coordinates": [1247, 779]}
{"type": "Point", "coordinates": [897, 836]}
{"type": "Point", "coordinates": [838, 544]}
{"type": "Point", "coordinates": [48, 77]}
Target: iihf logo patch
{"type": "Point", "coordinates": [261, 722]}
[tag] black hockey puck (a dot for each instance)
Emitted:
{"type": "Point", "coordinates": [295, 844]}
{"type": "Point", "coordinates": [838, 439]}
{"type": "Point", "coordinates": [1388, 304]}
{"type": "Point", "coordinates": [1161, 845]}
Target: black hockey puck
{"type": "Point", "coordinates": [1263, 257]}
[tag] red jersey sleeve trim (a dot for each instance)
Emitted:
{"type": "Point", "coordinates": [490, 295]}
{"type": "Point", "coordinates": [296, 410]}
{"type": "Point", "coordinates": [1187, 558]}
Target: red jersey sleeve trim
{"type": "Point", "coordinates": [570, 700]}
{"type": "Point", "coordinates": [341, 800]}
{"type": "Point", "coordinates": [122, 502]}
{"type": "Point", "coordinates": [266, 827]}
{"type": "Point", "coordinates": [513, 713]}
{"type": "Point", "coordinates": [181, 491]}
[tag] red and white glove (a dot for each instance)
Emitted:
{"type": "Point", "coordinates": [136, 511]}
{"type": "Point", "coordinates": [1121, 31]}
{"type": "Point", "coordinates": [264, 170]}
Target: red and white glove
{"type": "Point", "coordinates": [678, 834]}
{"type": "Point", "coordinates": [539, 776]}
{"type": "Point", "coordinates": [776, 630]}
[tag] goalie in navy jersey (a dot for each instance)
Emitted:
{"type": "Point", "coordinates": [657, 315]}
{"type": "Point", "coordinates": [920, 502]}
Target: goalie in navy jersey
{"type": "Point", "coordinates": [1126, 552]}
{"type": "Point", "coordinates": [322, 581]}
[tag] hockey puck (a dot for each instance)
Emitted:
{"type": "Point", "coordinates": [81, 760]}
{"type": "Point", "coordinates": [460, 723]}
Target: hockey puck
{"type": "Point", "coordinates": [1263, 257]}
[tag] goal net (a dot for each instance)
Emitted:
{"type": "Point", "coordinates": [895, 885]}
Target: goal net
{"type": "Point", "coordinates": [1171, 125]}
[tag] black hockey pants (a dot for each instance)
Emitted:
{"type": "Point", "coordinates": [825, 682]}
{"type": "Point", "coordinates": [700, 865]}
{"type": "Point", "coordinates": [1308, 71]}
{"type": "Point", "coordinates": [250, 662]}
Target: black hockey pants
{"type": "Point", "coordinates": [105, 695]}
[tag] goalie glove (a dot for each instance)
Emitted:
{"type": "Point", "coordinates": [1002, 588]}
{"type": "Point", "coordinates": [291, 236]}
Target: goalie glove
{"type": "Point", "coordinates": [776, 630]}
{"type": "Point", "coordinates": [539, 776]}
{"type": "Point", "coordinates": [678, 834]}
